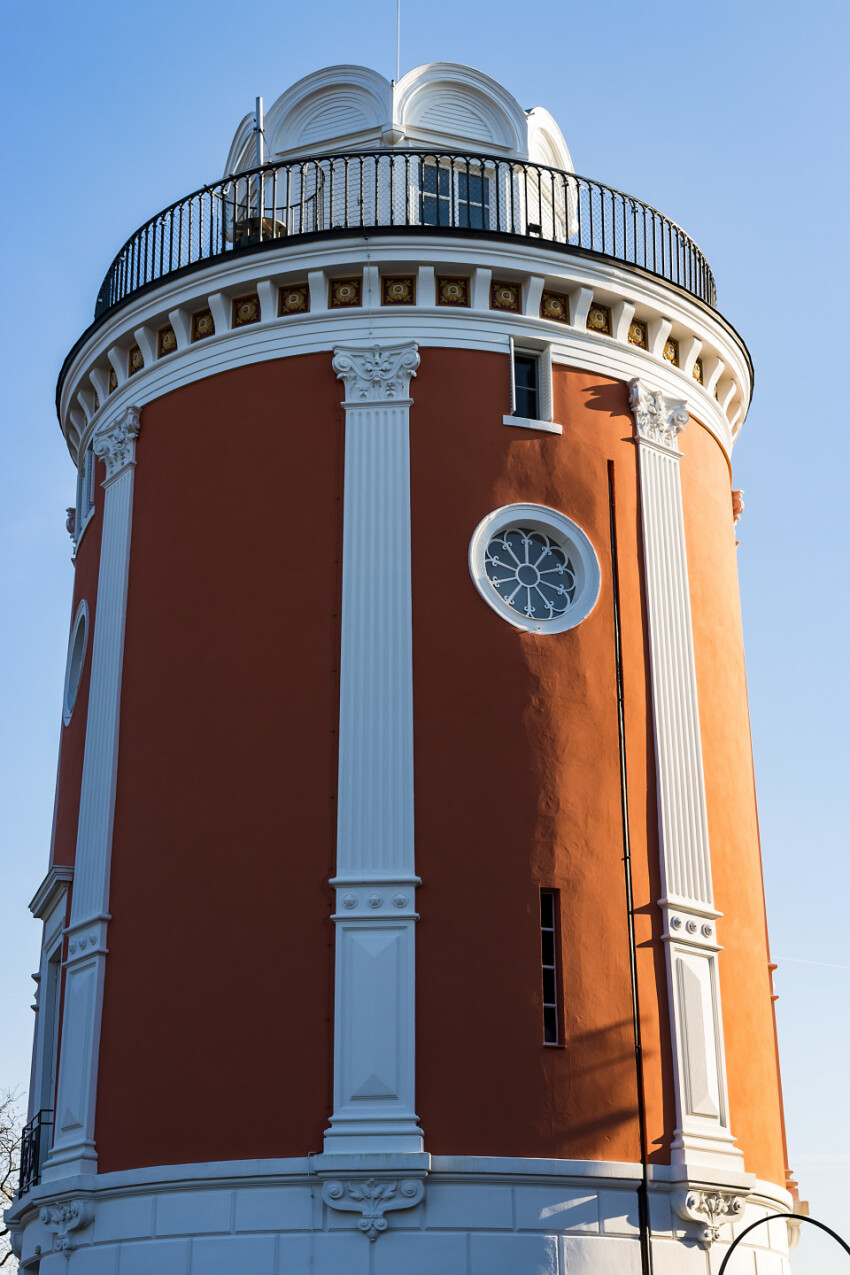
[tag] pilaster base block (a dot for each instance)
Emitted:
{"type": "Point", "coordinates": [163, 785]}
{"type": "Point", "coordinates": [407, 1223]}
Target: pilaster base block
{"type": "Point", "coordinates": [696, 1152]}
{"type": "Point", "coordinates": [76, 1161]}
{"type": "Point", "coordinates": [356, 1136]}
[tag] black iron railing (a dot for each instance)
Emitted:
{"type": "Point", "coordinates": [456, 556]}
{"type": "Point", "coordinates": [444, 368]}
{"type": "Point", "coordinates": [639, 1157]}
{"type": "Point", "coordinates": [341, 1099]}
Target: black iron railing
{"type": "Point", "coordinates": [35, 1143]}
{"type": "Point", "coordinates": [400, 191]}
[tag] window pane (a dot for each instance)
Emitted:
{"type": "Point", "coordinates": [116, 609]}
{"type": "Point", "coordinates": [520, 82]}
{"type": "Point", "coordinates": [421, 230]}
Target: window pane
{"type": "Point", "coordinates": [525, 386]}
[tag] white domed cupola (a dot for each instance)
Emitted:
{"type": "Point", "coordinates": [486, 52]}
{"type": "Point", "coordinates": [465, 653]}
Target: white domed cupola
{"type": "Point", "coordinates": [440, 106]}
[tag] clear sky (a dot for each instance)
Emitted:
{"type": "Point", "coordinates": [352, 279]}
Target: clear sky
{"type": "Point", "coordinates": [732, 119]}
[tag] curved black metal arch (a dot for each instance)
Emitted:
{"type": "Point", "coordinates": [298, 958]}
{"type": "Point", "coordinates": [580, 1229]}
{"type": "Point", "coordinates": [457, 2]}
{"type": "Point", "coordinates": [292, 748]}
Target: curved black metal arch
{"type": "Point", "coordinates": [799, 1217]}
{"type": "Point", "coordinates": [404, 191]}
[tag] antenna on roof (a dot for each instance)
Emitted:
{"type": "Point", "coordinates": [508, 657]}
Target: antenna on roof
{"type": "Point", "coordinates": [397, 41]}
{"type": "Point", "coordinates": [258, 129]}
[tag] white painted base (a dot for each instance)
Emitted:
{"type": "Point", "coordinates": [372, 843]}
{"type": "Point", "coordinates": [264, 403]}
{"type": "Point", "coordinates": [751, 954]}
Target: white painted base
{"type": "Point", "coordinates": [476, 1216]}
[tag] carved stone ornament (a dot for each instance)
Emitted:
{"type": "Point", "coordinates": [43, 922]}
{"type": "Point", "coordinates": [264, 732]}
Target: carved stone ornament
{"type": "Point", "coordinates": [71, 521]}
{"type": "Point", "coordinates": [711, 1209]}
{"type": "Point", "coordinates": [737, 504]}
{"type": "Point", "coordinates": [63, 1219]}
{"type": "Point", "coordinates": [379, 374]}
{"type": "Point", "coordinates": [115, 443]}
{"type": "Point", "coordinates": [373, 1198]}
{"type": "Point", "coordinates": [658, 420]}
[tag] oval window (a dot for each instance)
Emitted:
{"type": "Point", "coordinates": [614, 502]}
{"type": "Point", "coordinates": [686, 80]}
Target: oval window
{"type": "Point", "coordinates": [76, 657]}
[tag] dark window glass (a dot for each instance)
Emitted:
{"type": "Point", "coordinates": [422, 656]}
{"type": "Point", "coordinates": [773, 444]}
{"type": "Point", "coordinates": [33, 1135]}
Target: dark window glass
{"type": "Point", "coordinates": [473, 201]}
{"type": "Point", "coordinates": [469, 200]}
{"type": "Point", "coordinates": [548, 943]}
{"type": "Point", "coordinates": [436, 196]}
{"type": "Point", "coordinates": [525, 386]}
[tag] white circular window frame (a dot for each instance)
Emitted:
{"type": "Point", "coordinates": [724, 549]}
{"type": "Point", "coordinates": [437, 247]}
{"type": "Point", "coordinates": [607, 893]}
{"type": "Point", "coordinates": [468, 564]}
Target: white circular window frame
{"type": "Point", "coordinates": [73, 667]}
{"type": "Point", "coordinates": [561, 528]}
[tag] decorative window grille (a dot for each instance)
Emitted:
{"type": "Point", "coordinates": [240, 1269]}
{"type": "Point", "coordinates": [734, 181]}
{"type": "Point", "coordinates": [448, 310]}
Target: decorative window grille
{"type": "Point", "coordinates": [534, 566]}
{"type": "Point", "coordinates": [549, 961]}
{"type": "Point", "coordinates": [532, 572]}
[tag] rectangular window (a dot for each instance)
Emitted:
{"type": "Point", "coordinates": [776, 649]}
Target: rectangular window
{"type": "Point", "coordinates": [451, 197]}
{"type": "Point", "coordinates": [526, 386]}
{"type": "Point", "coordinates": [549, 959]}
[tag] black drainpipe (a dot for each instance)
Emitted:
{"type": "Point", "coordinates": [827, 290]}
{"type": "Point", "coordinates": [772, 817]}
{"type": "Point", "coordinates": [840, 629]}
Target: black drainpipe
{"type": "Point", "coordinates": [643, 1189]}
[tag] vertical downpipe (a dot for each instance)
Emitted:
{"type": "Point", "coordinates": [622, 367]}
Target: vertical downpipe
{"type": "Point", "coordinates": [643, 1189]}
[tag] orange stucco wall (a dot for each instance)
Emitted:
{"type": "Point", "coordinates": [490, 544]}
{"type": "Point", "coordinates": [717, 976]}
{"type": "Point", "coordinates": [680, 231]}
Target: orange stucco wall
{"type": "Point", "coordinates": [754, 1094]}
{"type": "Point", "coordinates": [518, 788]}
{"type": "Point", "coordinates": [217, 1020]}
{"type": "Point", "coordinates": [219, 978]}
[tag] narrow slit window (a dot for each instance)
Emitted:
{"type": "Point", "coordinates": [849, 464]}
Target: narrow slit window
{"type": "Point", "coordinates": [526, 386]}
{"type": "Point", "coordinates": [549, 960]}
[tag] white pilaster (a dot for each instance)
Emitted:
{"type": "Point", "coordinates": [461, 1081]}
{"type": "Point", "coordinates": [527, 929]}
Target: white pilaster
{"type": "Point", "coordinates": [703, 1138]}
{"type": "Point", "coordinates": [73, 1145]}
{"type": "Point", "coordinates": [375, 915]}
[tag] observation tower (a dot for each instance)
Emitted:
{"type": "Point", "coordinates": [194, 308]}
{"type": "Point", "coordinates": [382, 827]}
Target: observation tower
{"type": "Point", "coordinates": [404, 910]}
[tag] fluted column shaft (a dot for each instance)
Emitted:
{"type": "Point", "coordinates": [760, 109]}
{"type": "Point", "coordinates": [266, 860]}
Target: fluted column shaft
{"type": "Point", "coordinates": [703, 1139]}
{"type": "Point", "coordinates": [375, 879]}
{"type": "Point", "coordinates": [85, 966]}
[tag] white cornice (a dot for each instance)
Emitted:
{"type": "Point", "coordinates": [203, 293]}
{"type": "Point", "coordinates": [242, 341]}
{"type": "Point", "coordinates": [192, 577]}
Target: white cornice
{"type": "Point", "coordinates": [722, 352]}
{"type": "Point", "coordinates": [58, 878]}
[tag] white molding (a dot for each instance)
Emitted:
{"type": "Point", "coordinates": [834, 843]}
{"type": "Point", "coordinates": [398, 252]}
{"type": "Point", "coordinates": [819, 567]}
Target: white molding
{"type": "Point", "coordinates": [374, 991]}
{"type": "Point", "coordinates": [73, 1143]}
{"type": "Point", "coordinates": [525, 422]}
{"type": "Point", "coordinates": [549, 521]}
{"type": "Point", "coordinates": [54, 883]}
{"type": "Point", "coordinates": [470, 1215]}
{"type": "Point", "coordinates": [702, 1137]}
{"type": "Point", "coordinates": [321, 329]}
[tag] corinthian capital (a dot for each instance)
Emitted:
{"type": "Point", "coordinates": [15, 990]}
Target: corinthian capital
{"type": "Point", "coordinates": [115, 442]}
{"type": "Point", "coordinates": [658, 419]}
{"type": "Point", "coordinates": [377, 374]}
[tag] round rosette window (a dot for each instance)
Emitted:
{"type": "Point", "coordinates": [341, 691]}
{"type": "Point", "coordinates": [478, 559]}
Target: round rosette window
{"type": "Point", "coordinates": [535, 567]}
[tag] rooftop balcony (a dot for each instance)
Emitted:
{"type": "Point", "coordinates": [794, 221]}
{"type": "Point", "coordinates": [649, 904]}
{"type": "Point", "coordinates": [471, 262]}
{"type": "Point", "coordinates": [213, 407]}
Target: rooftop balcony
{"type": "Point", "coordinates": [404, 192]}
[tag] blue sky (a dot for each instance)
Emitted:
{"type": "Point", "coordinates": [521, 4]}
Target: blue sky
{"type": "Point", "coordinates": [732, 120]}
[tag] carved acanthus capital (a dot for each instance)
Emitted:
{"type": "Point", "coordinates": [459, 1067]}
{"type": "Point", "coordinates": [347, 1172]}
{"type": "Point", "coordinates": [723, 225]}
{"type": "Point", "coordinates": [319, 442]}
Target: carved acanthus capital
{"type": "Point", "coordinates": [710, 1208]}
{"type": "Point", "coordinates": [115, 442]}
{"type": "Point", "coordinates": [372, 1198]}
{"type": "Point", "coordinates": [379, 374]}
{"type": "Point", "coordinates": [63, 1218]}
{"type": "Point", "coordinates": [658, 419]}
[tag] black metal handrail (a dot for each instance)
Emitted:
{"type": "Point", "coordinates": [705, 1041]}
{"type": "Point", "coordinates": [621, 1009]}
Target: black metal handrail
{"type": "Point", "coordinates": [405, 190]}
{"type": "Point", "coordinates": [35, 1143]}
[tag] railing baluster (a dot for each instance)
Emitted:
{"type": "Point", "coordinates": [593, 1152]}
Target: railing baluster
{"type": "Point", "coordinates": [498, 195]}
